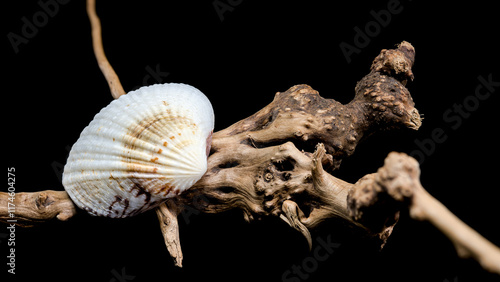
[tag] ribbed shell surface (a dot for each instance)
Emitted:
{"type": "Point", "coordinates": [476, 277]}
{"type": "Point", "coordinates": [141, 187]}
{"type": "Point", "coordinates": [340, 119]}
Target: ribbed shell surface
{"type": "Point", "coordinates": [146, 146]}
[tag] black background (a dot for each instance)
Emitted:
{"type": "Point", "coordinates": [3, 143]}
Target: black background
{"type": "Point", "coordinates": [53, 88]}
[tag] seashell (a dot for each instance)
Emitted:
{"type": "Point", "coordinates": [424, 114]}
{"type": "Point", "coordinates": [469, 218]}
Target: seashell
{"type": "Point", "coordinates": [141, 149]}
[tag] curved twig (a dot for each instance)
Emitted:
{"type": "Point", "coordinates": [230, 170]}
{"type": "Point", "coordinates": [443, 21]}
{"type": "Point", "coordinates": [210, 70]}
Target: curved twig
{"type": "Point", "coordinates": [399, 180]}
{"type": "Point", "coordinates": [114, 83]}
{"type": "Point", "coordinates": [256, 164]}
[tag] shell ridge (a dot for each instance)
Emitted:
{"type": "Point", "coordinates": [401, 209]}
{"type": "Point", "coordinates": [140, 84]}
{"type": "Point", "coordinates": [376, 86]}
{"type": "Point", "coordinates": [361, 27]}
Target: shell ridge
{"type": "Point", "coordinates": [139, 150]}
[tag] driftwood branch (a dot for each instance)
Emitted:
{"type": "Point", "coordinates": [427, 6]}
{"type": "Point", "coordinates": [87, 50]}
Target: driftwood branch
{"type": "Point", "coordinates": [278, 162]}
{"type": "Point", "coordinates": [268, 163]}
{"type": "Point", "coordinates": [107, 70]}
{"type": "Point", "coordinates": [167, 215]}
{"type": "Point", "coordinates": [37, 207]}
{"type": "Point", "coordinates": [398, 184]}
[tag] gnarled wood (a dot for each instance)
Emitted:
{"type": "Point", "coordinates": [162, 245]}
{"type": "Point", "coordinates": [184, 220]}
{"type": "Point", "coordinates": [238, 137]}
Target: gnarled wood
{"type": "Point", "coordinates": [278, 161]}
{"type": "Point", "coordinates": [29, 209]}
{"type": "Point", "coordinates": [398, 184]}
{"type": "Point", "coordinates": [266, 164]}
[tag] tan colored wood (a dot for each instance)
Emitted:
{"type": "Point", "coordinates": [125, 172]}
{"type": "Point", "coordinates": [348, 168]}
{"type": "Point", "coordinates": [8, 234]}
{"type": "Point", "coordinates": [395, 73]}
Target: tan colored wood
{"type": "Point", "coordinates": [278, 162]}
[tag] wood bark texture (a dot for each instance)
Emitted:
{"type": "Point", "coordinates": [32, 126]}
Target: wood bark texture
{"type": "Point", "coordinates": [279, 162]}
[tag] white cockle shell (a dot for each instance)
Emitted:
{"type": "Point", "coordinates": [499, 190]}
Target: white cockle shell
{"type": "Point", "coordinates": [148, 145]}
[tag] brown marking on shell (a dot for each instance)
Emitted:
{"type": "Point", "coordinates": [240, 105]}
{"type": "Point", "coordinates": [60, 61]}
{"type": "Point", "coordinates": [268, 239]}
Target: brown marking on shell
{"type": "Point", "coordinates": [89, 210]}
{"type": "Point", "coordinates": [141, 171]}
{"type": "Point", "coordinates": [120, 202]}
{"type": "Point", "coordinates": [166, 189]}
{"type": "Point", "coordinates": [144, 185]}
{"type": "Point", "coordinates": [137, 190]}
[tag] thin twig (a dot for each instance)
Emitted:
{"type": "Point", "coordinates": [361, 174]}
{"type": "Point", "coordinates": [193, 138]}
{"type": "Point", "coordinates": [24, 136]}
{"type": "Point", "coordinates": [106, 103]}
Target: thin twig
{"type": "Point", "coordinates": [113, 81]}
{"type": "Point", "coordinates": [467, 241]}
{"type": "Point", "coordinates": [167, 215]}
{"type": "Point", "coordinates": [399, 179]}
